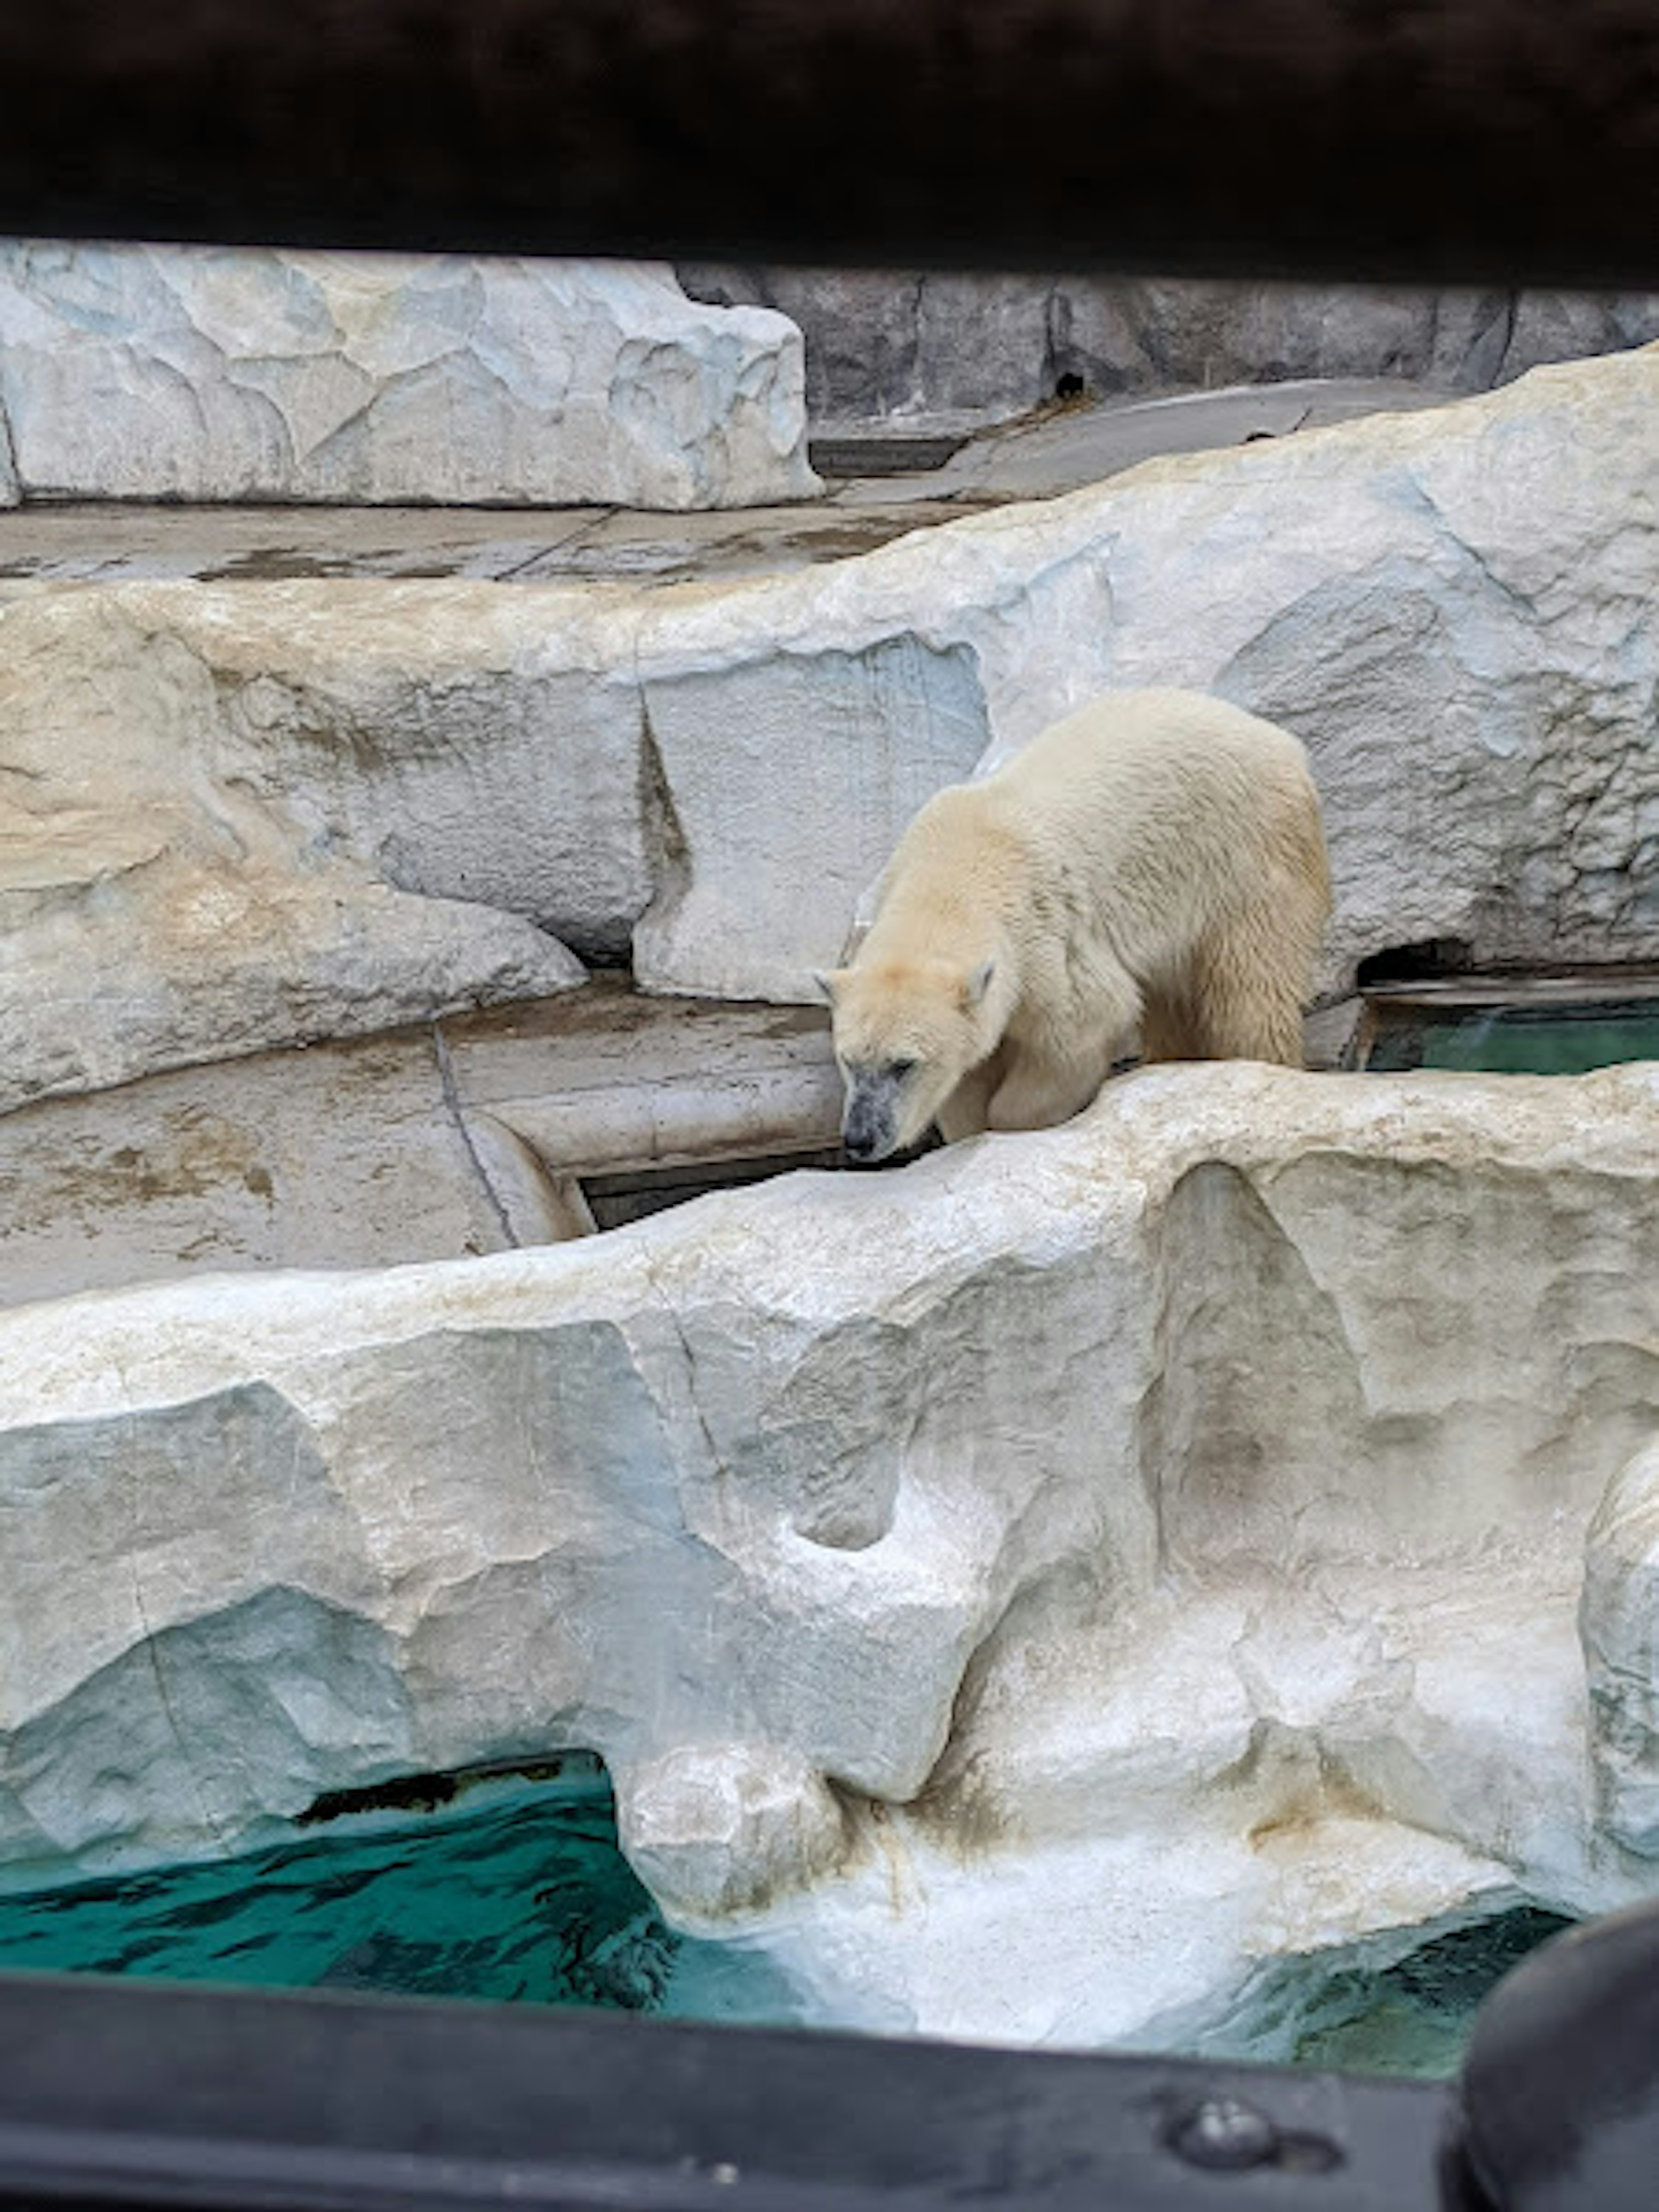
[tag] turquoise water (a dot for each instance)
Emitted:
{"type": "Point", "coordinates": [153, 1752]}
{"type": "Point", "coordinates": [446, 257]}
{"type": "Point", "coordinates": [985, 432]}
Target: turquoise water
{"type": "Point", "coordinates": [1518, 1040]}
{"type": "Point", "coordinates": [1415, 2017]}
{"type": "Point", "coordinates": [1355, 2012]}
{"type": "Point", "coordinates": [525, 1898]}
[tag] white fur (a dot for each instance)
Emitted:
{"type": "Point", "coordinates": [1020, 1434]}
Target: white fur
{"type": "Point", "coordinates": [1154, 862]}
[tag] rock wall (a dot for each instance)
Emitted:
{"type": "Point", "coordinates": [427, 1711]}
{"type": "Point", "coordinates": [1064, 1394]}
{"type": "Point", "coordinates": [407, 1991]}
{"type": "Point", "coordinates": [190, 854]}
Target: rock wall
{"type": "Point", "coordinates": [181, 372]}
{"type": "Point", "coordinates": [883, 347]}
{"type": "Point", "coordinates": [1022, 1591]}
{"type": "Point", "coordinates": [241, 815]}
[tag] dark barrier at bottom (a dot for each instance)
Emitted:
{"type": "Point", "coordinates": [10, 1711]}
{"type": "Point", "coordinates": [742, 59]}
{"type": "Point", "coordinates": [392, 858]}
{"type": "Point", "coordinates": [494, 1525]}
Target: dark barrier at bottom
{"type": "Point", "coordinates": [113, 2093]}
{"type": "Point", "coordinates": [120, 2094]}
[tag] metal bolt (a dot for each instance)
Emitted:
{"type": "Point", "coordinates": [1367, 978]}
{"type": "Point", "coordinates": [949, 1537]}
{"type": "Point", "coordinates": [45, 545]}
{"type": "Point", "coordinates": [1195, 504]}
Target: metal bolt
{"type": "Point", "coordinates": [1226, 2134]}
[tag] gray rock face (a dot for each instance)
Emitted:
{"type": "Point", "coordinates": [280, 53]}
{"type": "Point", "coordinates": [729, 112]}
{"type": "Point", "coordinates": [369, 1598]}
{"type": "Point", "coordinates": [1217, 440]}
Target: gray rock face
{"type": "Point", "coordinates": [796, 768]}
{"type": "Point", "coordinates": [1023, 1591]}
{"type": "Point", "coordinates": [200, 373]}
{"type": "Point", "coordinates": [882, 344]}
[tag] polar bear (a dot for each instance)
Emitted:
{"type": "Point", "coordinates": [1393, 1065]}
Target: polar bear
{"type": "Point", "coordinates": [1155, 860]}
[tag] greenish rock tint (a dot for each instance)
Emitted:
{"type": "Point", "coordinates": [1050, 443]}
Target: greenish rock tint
{"type": "Point", "coordinates": [1519, 1040]}
{"type": "Point", "coordinates": [520, 1896]}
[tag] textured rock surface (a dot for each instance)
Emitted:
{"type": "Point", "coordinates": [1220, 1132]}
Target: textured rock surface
{"type": "Point", "coordinates": [160, 902]}
{"type": "Point", "coordinates": [1039, 457]}
{"type": "Point", "coordinates": [785, 777]}
{"type": "Point", "coordinates": [427, 781]}
{"type": "Point", "coordinates": [208, 373]}
{"type": "Point", "coordinates": [1618, 1619]}
{"type": "Point", "coordinates": [880, 345]}
{"type": "Point", "coordinates": [344, 1156]}
{"type": "Point", "coordinates": [1023, 1591]}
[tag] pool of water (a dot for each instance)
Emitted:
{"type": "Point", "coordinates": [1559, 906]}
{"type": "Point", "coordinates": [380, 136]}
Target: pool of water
{"type": "Point", "coordinates": [522, 1897]}
{"type": "Point", "coordinates": [1554, 1040]}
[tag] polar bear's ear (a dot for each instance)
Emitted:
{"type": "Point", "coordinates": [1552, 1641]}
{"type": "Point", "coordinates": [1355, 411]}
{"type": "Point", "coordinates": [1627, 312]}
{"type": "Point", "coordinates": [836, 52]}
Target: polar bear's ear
{"type": "Point", "coordinates": [826, 979]}
{"type": "Point", "coordinates": [975, 986]}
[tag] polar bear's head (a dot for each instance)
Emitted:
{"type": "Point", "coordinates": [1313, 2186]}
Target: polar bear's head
{"type": "Point", "coordinates": [906, 1033]}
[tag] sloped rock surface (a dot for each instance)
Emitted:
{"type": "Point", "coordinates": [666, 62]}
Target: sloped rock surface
{"type": "Point", "coordinates": [155, 909]}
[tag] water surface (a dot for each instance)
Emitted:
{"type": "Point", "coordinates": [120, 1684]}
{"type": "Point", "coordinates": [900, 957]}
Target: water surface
{"type": "Point", "coordinates": [522, 1897]}
{"type": "Point", "coordinates": [1518, 1040]}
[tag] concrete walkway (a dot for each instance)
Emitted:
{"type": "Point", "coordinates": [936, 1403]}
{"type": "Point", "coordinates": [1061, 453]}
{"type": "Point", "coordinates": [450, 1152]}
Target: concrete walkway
{"type": "Point", "coordinates": [1040, 456]}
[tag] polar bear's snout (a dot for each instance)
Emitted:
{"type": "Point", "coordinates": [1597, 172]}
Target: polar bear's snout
{"type": "Point", "coordinates": [870, 1123]}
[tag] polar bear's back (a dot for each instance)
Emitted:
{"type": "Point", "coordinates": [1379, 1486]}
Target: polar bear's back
{"type": "Point", "coordinates": [1167, 791]}
{"type": "Point", "coordinates": [1130, 750]}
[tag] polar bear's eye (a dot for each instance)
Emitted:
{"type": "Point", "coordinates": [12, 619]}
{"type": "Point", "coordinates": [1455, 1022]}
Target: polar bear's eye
{"type": "Point", "coordinates": [898, 1069]}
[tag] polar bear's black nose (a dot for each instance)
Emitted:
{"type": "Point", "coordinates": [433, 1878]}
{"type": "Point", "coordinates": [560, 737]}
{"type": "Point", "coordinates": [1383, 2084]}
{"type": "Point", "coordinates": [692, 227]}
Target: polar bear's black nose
{"type": "Point", "coordinates": [866, 1123]}
{"type": "Point", "coordinates": [864, 1133]}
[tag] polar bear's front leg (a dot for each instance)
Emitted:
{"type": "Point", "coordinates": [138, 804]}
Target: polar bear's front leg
{"type": "Point", "coordinates": [967, 1111]}
{"type": "Point", "coordinates": [1038, 1091]}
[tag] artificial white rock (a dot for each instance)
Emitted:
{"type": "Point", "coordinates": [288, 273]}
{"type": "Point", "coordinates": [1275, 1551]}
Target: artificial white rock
{"type": "Point", "coordinates": [1024, 1593]}
{"type": "Point", "coordinates": [207, 372]}
{"type": "Point", "coordinates": [158, 906]}
{"type": "Point", "coordinates": [797, 763]}
{"type": "Point", "coordinates": [1451, 607]}
{"type": "Point", "coordinates": [491, 768]}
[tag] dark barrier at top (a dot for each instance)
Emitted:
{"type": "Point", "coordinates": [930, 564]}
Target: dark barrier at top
{"type": "Point", "coordinates": [1425, 140]}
